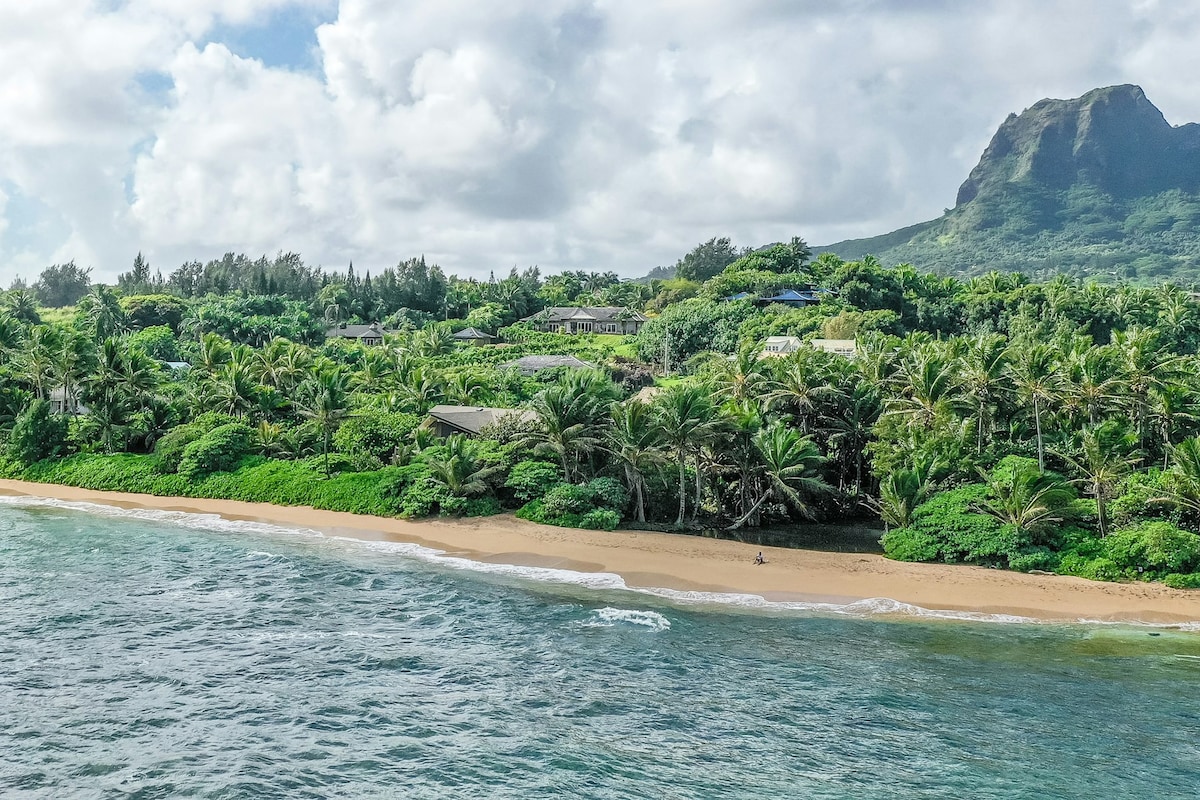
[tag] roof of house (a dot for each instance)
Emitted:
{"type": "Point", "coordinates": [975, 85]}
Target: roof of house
{"type": "Point", "coordinates": [473, 419]}
{"type": "Point", "coordinates": [783, 340]}
{"type": "Point", "coordinates": [372, 331]}
{"type": "Point", "coordinates": [739, 296]}
{"type": "Point", "coordinates": [473, 333]}
{"type": "Point", "coordinates": [536, 363]}
{"type": "Point", "coordinates": [835, 343]}
{"type": "Point", "coordinates": [596, 314]}
{"type": "Point", "coordinates": [792, 296]}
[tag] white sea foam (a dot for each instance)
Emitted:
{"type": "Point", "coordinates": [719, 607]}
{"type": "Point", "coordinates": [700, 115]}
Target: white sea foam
{"type": "Point", "coordinates": [599, 581]}
{"type": "Point", "coordinates": [609, 617]}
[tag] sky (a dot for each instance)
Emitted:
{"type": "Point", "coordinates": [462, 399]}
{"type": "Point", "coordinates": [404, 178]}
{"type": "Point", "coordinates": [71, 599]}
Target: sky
{"type": "Point", "coordinates": [567, 134]}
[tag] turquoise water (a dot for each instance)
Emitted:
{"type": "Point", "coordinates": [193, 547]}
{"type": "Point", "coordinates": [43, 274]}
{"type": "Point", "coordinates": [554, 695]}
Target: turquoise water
{"type": "Point", "coordinates": [144, 658]}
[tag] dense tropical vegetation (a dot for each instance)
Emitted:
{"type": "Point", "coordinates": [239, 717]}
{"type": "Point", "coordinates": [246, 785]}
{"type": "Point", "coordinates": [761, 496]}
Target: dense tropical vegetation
{"type": "Point", "coordinates": [1051, 426]}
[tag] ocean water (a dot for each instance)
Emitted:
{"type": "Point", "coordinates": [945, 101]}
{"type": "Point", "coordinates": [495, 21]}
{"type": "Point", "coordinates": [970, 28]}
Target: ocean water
{"type": "Point", "coordinates": [157, 655]}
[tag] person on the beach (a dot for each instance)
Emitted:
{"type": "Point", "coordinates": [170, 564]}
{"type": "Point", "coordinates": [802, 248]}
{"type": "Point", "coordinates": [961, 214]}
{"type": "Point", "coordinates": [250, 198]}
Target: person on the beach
{"type": "Point", "coordinates": [758, 559]}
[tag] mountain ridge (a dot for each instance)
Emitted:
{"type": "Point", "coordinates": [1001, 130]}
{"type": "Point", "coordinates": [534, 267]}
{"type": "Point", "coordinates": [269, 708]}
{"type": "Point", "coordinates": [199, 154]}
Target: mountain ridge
{"type": "Point", "coordinates": [1093, 184]}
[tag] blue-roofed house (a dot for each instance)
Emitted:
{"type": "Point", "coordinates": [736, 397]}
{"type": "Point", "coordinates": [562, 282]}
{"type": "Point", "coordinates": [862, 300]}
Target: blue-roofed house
{"type": "Point", "coordinates": [791, 297]}
{"type": "Point", "coordinates": [739, 296]}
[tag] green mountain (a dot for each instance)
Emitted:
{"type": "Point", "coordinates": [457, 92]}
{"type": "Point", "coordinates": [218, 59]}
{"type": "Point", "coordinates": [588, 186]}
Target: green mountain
{"type": "Point", "coordinates": [1098, 185]}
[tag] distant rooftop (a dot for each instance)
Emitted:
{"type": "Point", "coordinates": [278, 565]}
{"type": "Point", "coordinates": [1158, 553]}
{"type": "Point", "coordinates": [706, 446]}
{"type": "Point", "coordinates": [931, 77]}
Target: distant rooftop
{"type": "Point", "coordinates": [528, 365]}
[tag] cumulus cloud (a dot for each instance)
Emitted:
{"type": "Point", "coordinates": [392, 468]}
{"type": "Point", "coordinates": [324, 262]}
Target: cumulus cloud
{"type": "Point", "coordinates": [566, 133]}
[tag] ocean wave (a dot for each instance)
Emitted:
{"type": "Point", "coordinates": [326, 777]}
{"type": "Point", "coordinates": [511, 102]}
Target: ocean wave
{"type": "Point", "coordinates": [873, 607]}
{"type": "Point", "coordinates": [609, 617]}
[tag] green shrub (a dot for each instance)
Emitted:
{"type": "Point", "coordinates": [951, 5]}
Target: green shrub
{"type": "Point", "coordinates": [1031, 558]}
{"type": "Point", "coordinates": [378, 434]}
{"type": "Point", "coordinates": [170, 448]}
{"type": "Point", "coordinates": [948, 528]}
{"type": "Point", "coordinates": [219, 450]}
{"type": "Point", "coordinates": [608, 493]}
{"type": "Point", "coordinates": [1096, 569]}
{"type": "Point", "coordinates": [36, 434]}
{"type": "Point", "coordinates": [529, 480]}
{"type": "Point", "coordinates": [601, 519]}
{"type": "Point", "coordinates": [567, 499]}
{"type": "Point", "coordinates": [909, 544]}
{"type": "Point", "coordinates": [1179, 581]}
{"type": "Point", "coordinates": [1157, 548]}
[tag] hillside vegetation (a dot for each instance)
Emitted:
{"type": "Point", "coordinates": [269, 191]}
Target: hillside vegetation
{"type": "Point", "coordinates": [997, 421]}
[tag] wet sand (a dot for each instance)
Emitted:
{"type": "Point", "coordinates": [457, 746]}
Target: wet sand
{"type": "Point", "coordinates": [692, 563]}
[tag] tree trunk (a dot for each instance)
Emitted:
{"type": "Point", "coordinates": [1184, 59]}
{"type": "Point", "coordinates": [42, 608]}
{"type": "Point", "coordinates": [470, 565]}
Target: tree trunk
{"type": "Point", "coordinates": [327, 453]}
{"type": "Point", "coordinates": [682, 491]}
{"type": "Point", "coordinates": [699, 489]}
{"type": "Point", "coordinates": [1037, 423]}
{"type": "Point", "coordinates": [1101, 510]}
{"type": "Point", "coordinates": [753, 508]}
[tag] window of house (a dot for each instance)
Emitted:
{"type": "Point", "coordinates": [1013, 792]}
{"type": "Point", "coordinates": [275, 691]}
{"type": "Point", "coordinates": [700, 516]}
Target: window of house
{"type": "Point", "coordinates": [610, 327]}
{"type": "Point", "coordinates": [583, 326]}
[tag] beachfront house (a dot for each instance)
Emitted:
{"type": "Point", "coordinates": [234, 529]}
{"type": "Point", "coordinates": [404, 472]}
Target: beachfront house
{"type": "Point", "coordinates": [370, 335]}
{"type": "Point", "coordinates": [775, 346]}
{"type": "Point", "coordinates": [793, 298]}
{"type": "Point", "coordinates": [60, 403]}
{"type": "Point", "coordinates": [606, 319]}
{"type": "Point", "coordinates": [471, 420]}
{"type": "Point", "coordinates": [474, 336]}
{"type": "Point", "coordinates": [839, 347]}
{"type": "Point", "coordinates": [531, 365]}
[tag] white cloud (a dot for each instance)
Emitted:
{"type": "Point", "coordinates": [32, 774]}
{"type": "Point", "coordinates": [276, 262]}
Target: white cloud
{"type": "Point", "coordinates": [565, 133]}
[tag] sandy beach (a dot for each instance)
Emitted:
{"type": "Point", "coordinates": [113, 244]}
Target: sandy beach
{"type": "Point", "coordinates": [673, 561]}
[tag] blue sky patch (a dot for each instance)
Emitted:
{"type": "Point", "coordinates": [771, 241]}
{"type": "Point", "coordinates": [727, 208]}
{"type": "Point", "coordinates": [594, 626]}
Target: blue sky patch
{"type": "Point", "coordinates": [286, 38]}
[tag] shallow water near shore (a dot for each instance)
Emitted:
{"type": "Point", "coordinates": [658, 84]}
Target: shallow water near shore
{"type": "Point", "coordinates": [144, 658]}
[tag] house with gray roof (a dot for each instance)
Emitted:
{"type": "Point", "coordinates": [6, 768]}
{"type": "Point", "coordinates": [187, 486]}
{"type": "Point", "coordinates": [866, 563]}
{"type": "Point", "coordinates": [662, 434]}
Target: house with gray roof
{"type": "Point", "coordinates": [474, 336]}
{"type": "Point", "coordinates": [531, 365]}
{"type": "Point", "coordinates": [471, 420]}
{"type": "Point", "coordinates": [579, 319]}
{"type": "Point", "coordinates": [370, 335]}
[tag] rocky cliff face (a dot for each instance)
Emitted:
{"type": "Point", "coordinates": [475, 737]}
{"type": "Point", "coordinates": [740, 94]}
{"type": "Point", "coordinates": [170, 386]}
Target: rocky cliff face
{"type": "Point", "coordinates": [1112, 138]}
{"type": "Point", "coordinates": [1101, 184]}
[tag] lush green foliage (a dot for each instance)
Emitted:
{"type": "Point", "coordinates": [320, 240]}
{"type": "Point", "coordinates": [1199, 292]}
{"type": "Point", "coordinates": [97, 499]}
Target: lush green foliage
{"type": "Point", "coordinates": [1030, 426]}
{"type": "Point", "coordinates": [36, 434]}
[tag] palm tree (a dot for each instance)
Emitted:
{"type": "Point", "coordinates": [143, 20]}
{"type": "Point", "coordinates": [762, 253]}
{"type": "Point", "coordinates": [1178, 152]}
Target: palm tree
{"type": "Point", "coordinates": [636, 441]}
{"type": "Point", "coordinates": [800, 386]}
{"type": "Point", "coordinates": [1092, 380]}
{"type": "Point", "coordinates": [11, 335]}
{"type": "Point", "coordinates": [983, 381]}
{"type": "Point", "coordinates": [1028, 499]}
{"type": "Point", "coordinates": [325, 399]}
{"type": "Point", "coordinates": [22, 304]}
{"type": "Point", "coordinates": [70, 362]}
{"type": "Point", "coordinates": [856, 408]}
{"type": "Point", "coordinates": [1100, 469]}
{"type": "Point", "coordinates": [900, 493]}
{"type": "Point", "coordinates": [789, 463]}
{"type": "Point", "coordinates": [928, 387]}
{"type": "Point", "coordinates": [101, 311]}
{"type": "Point", "coordinates": [1171, 404]}
{"type": "Point", "coordinates": [1146, 368]}
{"type": "Point", "coordinates": [567, 427]}
{"type": "Point", "coordinates": [37, 362]}
{"type": "Point", "coordinates": [466, 387]}
{"type": "Point", "coordinates": [459, 467]}
{"type": "Point", "coordinates": [688, 417]}
{"type": "Point", "coordinates": [433, 340]}
{"type": "Point", "coordinates": [1034, 371]}
{"type": "Point", "coordinates": [1183, 477]}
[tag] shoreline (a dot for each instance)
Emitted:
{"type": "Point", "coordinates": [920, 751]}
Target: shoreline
{"type": "Point", "coordinates": [680, 562]}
